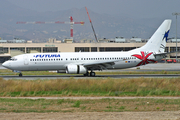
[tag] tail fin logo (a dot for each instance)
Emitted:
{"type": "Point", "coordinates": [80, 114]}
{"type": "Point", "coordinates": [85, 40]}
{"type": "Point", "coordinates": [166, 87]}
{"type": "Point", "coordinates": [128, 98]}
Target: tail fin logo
{"type": "Point", "coordinates": [144, 58]}
{"type": "Point", "coordinates": [166, 36]}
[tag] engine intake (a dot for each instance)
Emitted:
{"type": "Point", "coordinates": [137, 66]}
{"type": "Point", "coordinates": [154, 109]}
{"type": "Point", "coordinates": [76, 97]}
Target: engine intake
{"type": "Point", "coordinates": [76, 69]}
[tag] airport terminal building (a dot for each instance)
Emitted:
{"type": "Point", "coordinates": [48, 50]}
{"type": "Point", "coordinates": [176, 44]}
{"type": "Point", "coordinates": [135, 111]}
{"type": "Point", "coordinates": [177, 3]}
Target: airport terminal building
{"type": "Point", "coordinates": [9, 49]}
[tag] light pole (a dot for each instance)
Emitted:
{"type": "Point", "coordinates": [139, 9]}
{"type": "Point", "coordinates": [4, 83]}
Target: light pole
{"type": "Point", "coordinates": [176, 14]}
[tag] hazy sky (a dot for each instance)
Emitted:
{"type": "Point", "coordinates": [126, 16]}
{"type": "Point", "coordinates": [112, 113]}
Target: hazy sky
{"type": "Point", "coordinates": [138, 8]}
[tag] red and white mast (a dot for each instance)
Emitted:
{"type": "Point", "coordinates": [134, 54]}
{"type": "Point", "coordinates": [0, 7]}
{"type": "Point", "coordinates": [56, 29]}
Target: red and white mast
{"type": "Point", "coordinates": [56, 22]}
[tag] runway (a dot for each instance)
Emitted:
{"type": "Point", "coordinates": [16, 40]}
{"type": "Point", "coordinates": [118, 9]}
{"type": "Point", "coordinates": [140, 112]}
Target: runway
{"type": "Point", "coordinates": [34, 77]}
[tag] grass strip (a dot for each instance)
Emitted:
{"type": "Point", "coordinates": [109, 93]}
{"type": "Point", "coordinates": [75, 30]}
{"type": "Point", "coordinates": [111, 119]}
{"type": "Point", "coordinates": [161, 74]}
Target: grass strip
{"type": "Point", "coordinates": [91, 87]}
{"type": "Point", "coordinates": [101, 105]}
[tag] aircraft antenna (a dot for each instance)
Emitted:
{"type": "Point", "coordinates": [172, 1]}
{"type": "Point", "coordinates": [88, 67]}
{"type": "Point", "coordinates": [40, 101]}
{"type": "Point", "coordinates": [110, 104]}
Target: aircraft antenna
{"type": "Point", "coordinates": [91, 25]}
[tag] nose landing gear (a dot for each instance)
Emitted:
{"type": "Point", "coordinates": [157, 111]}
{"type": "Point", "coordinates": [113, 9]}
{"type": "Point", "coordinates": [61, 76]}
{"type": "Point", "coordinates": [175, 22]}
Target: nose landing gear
{"type": "Point", "coordinates": [20, 74]}
{"type": "Point", "coordinates": [17, 71]}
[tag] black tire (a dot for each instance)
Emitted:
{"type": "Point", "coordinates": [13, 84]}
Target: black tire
{"type": "Point", "coordinates": [20, 74]}
{"type": "Point", "coordinates": [93, 74]}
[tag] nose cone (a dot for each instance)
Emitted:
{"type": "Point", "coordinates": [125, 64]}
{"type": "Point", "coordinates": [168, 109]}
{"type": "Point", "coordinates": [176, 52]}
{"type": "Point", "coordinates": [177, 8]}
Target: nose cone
{"type": "Point", "coordinates": [5, 64]}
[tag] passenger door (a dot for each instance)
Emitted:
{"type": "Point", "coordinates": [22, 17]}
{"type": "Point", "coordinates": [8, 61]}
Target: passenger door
{"type": "Point", "coordinates": [26, 62]}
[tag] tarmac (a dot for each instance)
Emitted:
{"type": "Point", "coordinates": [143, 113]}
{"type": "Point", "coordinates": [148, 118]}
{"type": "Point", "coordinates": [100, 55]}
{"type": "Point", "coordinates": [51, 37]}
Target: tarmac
{"type": "Point", "coordinates": [161, 66]}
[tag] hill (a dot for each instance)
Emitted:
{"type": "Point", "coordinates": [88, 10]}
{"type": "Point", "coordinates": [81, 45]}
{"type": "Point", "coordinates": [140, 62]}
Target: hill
{"type": "Point", "coordinates": [106, 26]}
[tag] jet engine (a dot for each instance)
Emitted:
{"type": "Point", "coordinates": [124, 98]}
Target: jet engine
{"type": "Point", "coordinates": [76, 69]}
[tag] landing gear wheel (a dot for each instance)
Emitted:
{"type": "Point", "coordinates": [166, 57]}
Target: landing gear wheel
{"type": "Point", "coordinates": [92, 74]}
{"type": "Point", "coordinates": [87, 74]}
{"type": "Point", "coordinates": [20, 74]}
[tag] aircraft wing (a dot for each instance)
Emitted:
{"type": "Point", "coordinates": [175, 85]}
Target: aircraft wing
{"type": "Point", "coordinates": [99, 65]}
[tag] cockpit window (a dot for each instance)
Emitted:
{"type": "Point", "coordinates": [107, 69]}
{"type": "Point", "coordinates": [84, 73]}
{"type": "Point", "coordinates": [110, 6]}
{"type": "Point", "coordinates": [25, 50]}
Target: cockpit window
{"type": "Point", "coordinates": [13, 59]}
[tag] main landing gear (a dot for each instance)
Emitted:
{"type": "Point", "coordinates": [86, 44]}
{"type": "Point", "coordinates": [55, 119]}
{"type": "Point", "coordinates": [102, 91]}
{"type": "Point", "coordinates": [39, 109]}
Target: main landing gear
{"type": "Point", "coordinates": [92, 74]}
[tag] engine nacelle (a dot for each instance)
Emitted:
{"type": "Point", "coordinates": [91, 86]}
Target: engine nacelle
{"type": "Point", "coordinates": [76, 69]}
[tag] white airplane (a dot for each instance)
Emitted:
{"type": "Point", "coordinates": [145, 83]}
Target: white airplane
{"type": "Point", "coordinates": [82, 62]}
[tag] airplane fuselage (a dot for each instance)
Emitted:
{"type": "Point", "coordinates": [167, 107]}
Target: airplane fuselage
{"type": "Point", "coordinates": [59, 61]}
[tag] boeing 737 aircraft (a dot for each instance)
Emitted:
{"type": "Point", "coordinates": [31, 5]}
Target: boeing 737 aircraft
{"type": "Point", "coordinates": [82, 62]}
